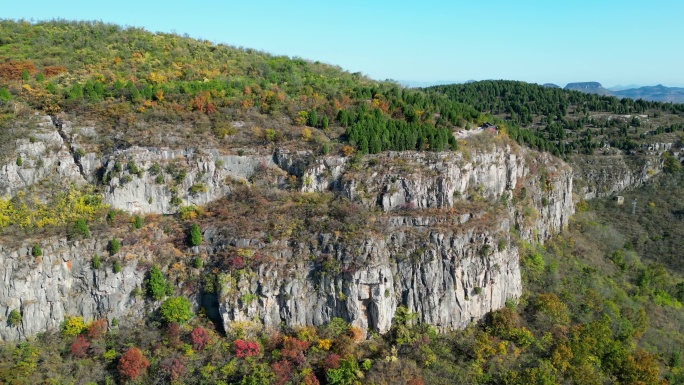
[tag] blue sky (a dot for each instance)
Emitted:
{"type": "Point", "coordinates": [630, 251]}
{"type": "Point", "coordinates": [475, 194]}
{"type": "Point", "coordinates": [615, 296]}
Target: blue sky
{"type": "Point", "coordinates": [613, 42]}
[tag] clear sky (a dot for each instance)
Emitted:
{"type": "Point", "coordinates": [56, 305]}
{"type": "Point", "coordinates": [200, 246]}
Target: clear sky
{"type": "Point", "coordinates": [558, 41]}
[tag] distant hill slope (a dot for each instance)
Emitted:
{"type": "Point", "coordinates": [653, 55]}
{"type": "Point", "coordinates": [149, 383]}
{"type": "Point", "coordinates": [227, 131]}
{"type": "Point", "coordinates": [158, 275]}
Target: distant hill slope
{"type": "Point", "coordinates": [589, 87]}
{"type": "Point", "coordinates": [657, 93]}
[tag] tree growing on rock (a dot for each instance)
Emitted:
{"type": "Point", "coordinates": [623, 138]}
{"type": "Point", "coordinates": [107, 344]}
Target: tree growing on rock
{"type": "Point", "coordinates": [195, 236]}
{"type": "Point", "coordinates": [157, 286]}
{"type": "Point", "coordinates": [14, 318]}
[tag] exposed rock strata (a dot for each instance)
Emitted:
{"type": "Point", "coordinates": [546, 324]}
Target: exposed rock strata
{"type": "Point", "coordinates": [450, 268]}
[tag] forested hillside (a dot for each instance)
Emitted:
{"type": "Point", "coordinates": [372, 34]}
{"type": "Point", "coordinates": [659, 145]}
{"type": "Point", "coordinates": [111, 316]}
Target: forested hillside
{"type": "Point", "coordinates": [136, 84]}
{"type": "Point", "coordinates": [568, 122]}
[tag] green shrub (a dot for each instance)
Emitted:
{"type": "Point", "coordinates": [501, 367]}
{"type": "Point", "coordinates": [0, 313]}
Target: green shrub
{"type": "Point", "coordinates": [110, 215]}
{"type": "Point", "coordinates": [157, 286]}
{"type": "Point", "coordinates": [195, 236]}
{"type": "Point", "coordinates": [133, 168]}
{"type": "Point", "coordinates": [5, 95]}
{"type": "Point", "coordinates": [345, 374]}
{"type": "Point", "coordinates": [14, 318]}
{"type": "Point", "coordinates": [137, 222]}
{"type": "Point", "coordinates": [159, 179]}
{"type": "Point", "coordinates": [81, 227]}
{"type": "Point", "coordinates": [154, 169]}
{"type": "Point", "coordinates": [36, 250]}
{"type": "Point", "coordinates": [197, 263]}
{"type": "Point", "coordinates": [20, 162]}
{"type": "Point", "coordinates": [198, 188]}
{"type": "Point", "coordinates": [176, 309]}
{"type": "Point", "coordinates": [114, 246]}
{"type": "Point", "coordinates": [117, 267]}
{"type": "Point", "coordinates": [110, 355]}
{"type": "Point", "coordinates": [96, 261]}
{"type": "Point", "coordinates": [501, 246]}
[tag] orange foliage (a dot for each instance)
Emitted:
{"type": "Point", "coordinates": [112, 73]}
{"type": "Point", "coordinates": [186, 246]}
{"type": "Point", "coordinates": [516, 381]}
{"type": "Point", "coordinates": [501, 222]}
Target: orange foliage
{"type": "Point", "coordinates": [97, 329]}
{"type": "Point", "coordinates": [355, 333]}
{"type": "Point", "coordinates": [49, 71]}
{"type": "Point", "coordinates": [247, 104]}
{"type": "Point", "coordinates": [132, 364]}
{"type": "Point", "coordinates": [12, 69]}
{"type": "Point", "coordinates": [347, 150]}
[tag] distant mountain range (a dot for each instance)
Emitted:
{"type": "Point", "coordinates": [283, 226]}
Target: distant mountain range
{"type": "Point", "coordinates": [657, 93]}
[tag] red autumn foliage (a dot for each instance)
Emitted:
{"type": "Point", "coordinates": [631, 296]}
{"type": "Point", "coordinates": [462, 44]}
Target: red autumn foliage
{"type": "Point", "coordinates": [236, 262]}
{"type": "Point", "coordinates": [293, 349]}
{"type": "Point", "coordinates": [416, 381]}
{"type": "Point", "coordinates": [199, 338]}
{"type": "Point", "coordinates": [132, 364]}
{"type": "Point", "coordinates": [79, 348]}
{"type": "Point", "coordinates": [174, 367]}
{"type": "Point", "coordinates": [244, 349]}
{"type": "Point", "coordinates": [283, 371]}
{"type": "Point", "coordinates": [211, 108]}
{"type": "Point", "coordinates": [173, 334]}
{"type": "Point", "coordinates": [332, 361]}
{"type": "Point", "coordinates": [97, 329]}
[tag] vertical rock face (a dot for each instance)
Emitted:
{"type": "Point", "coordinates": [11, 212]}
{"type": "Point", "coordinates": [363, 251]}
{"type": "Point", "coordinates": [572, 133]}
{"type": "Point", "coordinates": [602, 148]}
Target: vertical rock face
{"type": "Point", "coordinates": [184, 177]}
{"type": "Point", "coordinates": [450, 266]}
{"type": "Point", "coordinates": [61, 283]}
{"type": "Point", "coordinates": [44, 156]}
{"type": "Point", "coordinates": [606, 175]}
{"type": "Point", "coordinates": [449, 278]}
{"type": "Point", "coordinates": [444, 250]}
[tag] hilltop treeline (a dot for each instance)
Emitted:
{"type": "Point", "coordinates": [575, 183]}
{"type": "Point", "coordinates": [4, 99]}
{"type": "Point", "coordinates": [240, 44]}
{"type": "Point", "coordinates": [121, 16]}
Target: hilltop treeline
{"type": "Point", "coordinates": [124, 76]}
{"type": "Point", "coordinates": [565, 122]}
{"type": "Point", "coordinates": [121, 76]}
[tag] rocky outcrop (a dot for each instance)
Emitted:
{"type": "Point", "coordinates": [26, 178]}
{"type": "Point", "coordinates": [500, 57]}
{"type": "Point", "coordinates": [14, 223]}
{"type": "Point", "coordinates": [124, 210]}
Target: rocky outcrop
{"type": "Point", "coordinates": [607, 174]}
{"type": "Point", "coordinates": [449, 275]}
{"type": "Point", "coordinates": [419, 180]}
{"type": "Point", "coordinates": [44, 156]}
{"type": "Point", "coordinates": [444, 249]}
{"type": "Point", "coordinates": [62, 282]}
{"type": "Point", "coordinates": [449, 271]}
{"type": "Point", "coordinates": [152, 180]}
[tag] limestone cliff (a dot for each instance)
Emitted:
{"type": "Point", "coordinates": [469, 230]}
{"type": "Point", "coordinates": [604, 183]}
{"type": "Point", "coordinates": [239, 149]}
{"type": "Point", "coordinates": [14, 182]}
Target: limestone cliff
{"type": "Point", "coordinates": [608, 173]}
{"type": "Point", "coordinates": [62, 282]}
{"type": "Point", "coordinates": [442, 247]}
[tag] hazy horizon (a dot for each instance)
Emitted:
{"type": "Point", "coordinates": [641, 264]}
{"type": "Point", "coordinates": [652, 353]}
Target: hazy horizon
{"type": "Point", "coordinates": [611, 42]}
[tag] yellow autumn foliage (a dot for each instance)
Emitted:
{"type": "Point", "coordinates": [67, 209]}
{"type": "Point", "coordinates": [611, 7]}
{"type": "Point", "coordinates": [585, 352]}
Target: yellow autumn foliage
{"type": "Point", "coordinates": [27, 211]}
